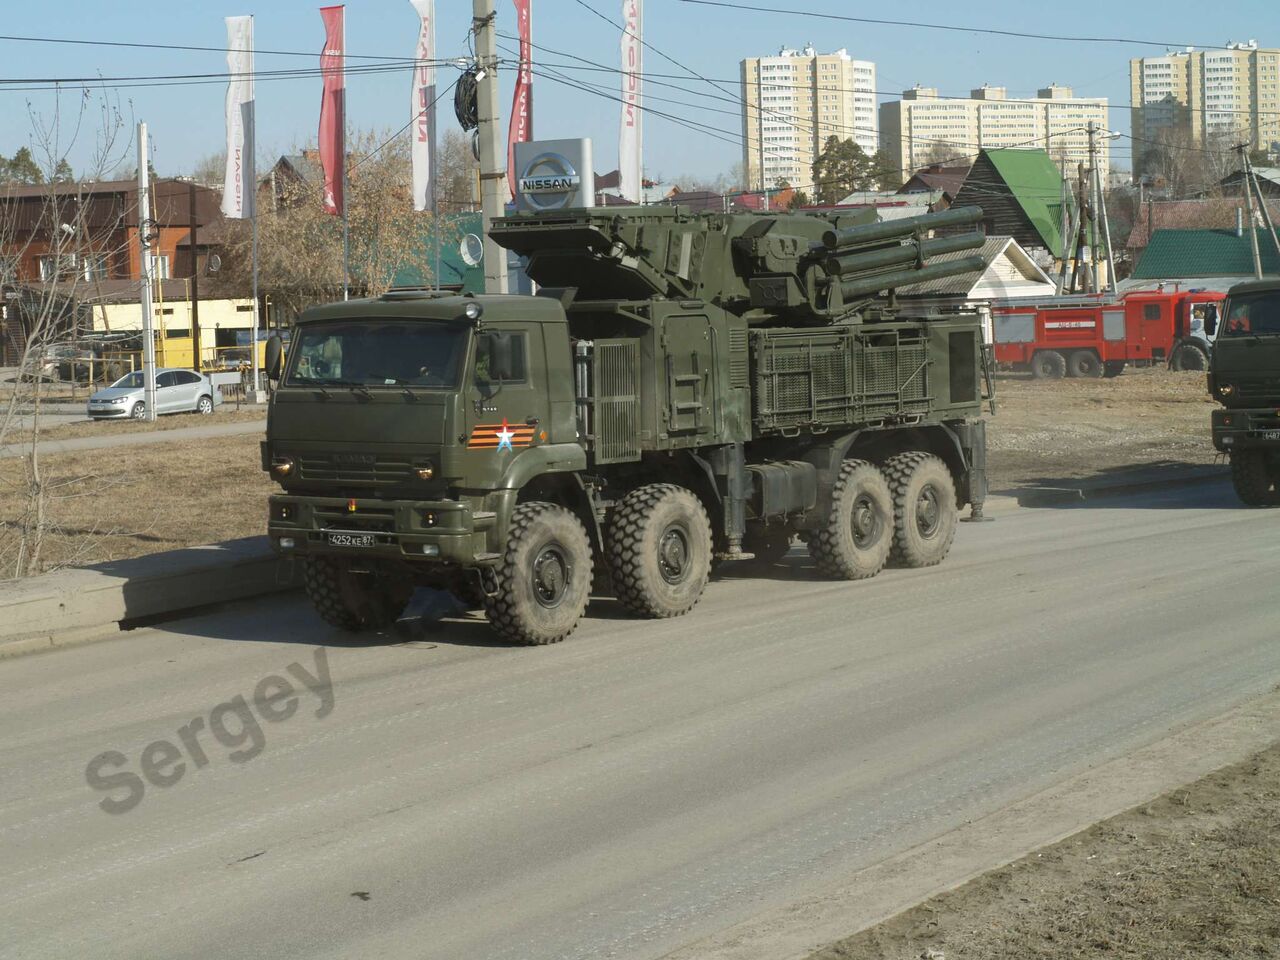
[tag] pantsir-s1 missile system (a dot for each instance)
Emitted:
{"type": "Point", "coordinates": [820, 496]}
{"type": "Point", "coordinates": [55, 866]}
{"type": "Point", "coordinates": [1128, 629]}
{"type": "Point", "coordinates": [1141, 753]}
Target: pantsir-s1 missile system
{"type": "Point", "coordinates": [685, 389]}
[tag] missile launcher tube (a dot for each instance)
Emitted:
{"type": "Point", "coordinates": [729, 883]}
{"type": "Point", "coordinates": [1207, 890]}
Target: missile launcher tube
{"type": "Point", "coordinates": [852, 262]}
{"type": "Point", "coordinates": [900, 229]}
{"type": "Point", "coordinates": [868, 286]}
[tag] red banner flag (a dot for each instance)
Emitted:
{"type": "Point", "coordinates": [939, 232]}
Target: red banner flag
{"type": "Point", "coordinates": [333, 109]}
{"type": "Point", "coordinates": [521, 128]}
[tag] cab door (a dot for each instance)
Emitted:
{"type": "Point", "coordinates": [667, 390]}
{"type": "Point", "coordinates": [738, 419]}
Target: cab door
{"type": "Point", "coordinates": [506, 411]}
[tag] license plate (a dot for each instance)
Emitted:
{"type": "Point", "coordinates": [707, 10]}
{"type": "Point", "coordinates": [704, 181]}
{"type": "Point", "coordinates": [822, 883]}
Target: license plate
{"type": "Point", "coordinates": [1271, 434]}
{"type": "Point", "coordinates": [352, 540]}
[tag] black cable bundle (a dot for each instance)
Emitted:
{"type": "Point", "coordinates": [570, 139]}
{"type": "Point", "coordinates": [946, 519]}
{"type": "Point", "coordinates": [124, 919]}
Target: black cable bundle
{"type": "Point", "coordinates": [465, 103]}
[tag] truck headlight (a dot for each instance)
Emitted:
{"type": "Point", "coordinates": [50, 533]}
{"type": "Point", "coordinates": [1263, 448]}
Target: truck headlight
{"type": "Point", "coordinates": [1224, 389]}
{"type": "Point", "coordinates": [281, 466]}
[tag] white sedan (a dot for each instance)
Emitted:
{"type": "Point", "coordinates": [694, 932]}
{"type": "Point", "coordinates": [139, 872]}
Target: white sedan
{"type": "Point", "coordinates": [177, 391]}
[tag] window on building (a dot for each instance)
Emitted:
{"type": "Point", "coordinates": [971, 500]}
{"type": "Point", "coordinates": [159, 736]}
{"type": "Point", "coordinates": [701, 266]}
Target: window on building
{"type": "Point", "coordinates": [159, 267]}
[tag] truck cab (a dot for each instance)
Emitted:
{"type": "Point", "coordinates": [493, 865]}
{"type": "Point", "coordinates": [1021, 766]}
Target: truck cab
{"type": "Point", "coordinates": [1244, 377]}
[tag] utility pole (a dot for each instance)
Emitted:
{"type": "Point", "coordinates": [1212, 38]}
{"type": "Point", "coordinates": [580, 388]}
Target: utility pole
{"type": "Point", "coordinates": [1242, 149]}
{"type": "Point", "coordinates": [492, 163]}
{"type": "Point", "coordinates": [144, 241]}
{"type": "Point", "coordinates": [1262, 208]}
{"type": "Point", "coordinates": [195, 278]}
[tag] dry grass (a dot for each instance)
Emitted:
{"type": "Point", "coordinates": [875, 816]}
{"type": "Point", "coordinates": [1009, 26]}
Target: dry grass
{"type": "Point", "coordinates": [1192, 875]}
{"type": "Point", "coordinates": [125, 502]}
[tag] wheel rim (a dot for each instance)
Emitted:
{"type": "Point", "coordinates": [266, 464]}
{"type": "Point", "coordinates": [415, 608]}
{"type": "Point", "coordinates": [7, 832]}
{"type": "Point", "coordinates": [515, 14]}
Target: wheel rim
{"type": "Point", "coordinates": [206, 406]}
{"type": "Point", "coordinates": [551, 574]}
{"type": "Point", "coordinates": [866, 522]}
{"type": "Point", "coordinates": [139, 412]}
{"type": "Point", "coordinates": [673, 554]}
{"type": "Point", "coordinates": [928, 511]}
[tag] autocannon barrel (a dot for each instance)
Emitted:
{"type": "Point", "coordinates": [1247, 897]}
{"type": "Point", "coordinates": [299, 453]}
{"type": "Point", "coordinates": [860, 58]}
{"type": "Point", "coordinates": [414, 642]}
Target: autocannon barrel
{"type": "Point", "coordinates": [866, 286]}
{"type": "Point", "coordinates": [896, 229]}
{"type": "Point", "coordinates": [851, 262]}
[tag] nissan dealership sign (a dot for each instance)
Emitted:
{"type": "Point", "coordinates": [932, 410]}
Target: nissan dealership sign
{"type": "Point", "coordinates": [553, 175]}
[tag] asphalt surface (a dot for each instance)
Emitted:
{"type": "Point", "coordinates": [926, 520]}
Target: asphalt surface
{"type": "Point", "coordinates": [631, 790]}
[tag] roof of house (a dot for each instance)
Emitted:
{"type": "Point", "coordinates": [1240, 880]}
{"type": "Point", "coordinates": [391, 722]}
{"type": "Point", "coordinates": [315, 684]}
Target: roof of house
{"type": "Point", "coordinates": [1035, 182]}
{"type": "Point", "coordinates": [417, 270]}
{"type": "Point", "coordinates": [1217, 214]}
{"type": "Point", "coordinates": [1179, 254]}
{"type": "Point", "coordinates": [304, 166]}
{"type": "Point", "coordinates": [936, 178]}
{"type": "Point", "coordinates": [962, 284]}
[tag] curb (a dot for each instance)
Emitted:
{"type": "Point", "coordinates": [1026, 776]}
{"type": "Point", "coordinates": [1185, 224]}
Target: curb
{"type": "Point", "coordinates": [1055, 496]}
{"type": "Point", "coordinates": [74, 606]}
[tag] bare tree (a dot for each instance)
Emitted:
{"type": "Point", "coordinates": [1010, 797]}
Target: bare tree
{"type": "Point", "coordinates": [78, 238]}
{"type": "Point", "coordinates": [300, 245]}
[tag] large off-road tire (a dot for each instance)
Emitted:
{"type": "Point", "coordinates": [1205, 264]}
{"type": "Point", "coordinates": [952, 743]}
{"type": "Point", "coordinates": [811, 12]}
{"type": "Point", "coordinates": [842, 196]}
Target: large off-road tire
{"type": "Point", "coordinates": [1048, 365]}
{"type": "Point", "coordinates": [1113, 368]}
{"type": "Point", "coordinates": [924, 509]}
{"type": "Point", "coordinates": [1085, 364]}
{"type": "Point", "coordinates": [659, 550]}
{"type": "Point", "coordinates": [854, 542]}
{"type": "Point", "coordinates": [1189, 356]}
{"type": "Point", "coordinates": [1254, 479]}
{"type": "Point", "coordinates": [544, 578]}
{"type": "Point", "coordinates": [353, 601]}
{"type": "Point", "coordinates": [770, 544]}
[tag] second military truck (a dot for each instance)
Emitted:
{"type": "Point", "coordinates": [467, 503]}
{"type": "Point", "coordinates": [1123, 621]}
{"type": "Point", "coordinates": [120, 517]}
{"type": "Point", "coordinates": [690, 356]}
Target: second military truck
{"type": "Point", "coordinates": [686, 390]}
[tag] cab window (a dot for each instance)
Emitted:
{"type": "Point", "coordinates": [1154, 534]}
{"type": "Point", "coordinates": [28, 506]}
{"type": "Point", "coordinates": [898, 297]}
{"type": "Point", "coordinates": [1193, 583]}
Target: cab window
{"type": "Point", "coordinates": [494, 348]}
{"type": "Point", "coordinates": [1151, 311]}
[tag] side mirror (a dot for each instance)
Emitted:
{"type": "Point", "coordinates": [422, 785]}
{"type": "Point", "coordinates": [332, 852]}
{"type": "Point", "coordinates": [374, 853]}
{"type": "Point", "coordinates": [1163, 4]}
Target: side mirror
{"type": "Point", "coordinates": [500, 360]}
{"type": "Point", "coordinates": [275, 356]}
{"type": "Point", "coordinates": [1211, 320]}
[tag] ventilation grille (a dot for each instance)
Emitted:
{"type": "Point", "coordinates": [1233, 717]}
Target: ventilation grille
{"type": "Point", "coordinates": [739, 361]}
{"type": "Point", "coordinates": [616, 381]}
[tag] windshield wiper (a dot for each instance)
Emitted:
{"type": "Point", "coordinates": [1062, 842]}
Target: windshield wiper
{"type": "Point", "coordinates": [355, 385]}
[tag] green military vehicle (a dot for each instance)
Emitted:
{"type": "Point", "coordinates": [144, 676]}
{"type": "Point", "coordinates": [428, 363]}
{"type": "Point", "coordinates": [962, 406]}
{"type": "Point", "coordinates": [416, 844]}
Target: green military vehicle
{"type": "Point", "coordinates": [685, 389]}
{"type": "Point", "coordinates": [1244, 376]}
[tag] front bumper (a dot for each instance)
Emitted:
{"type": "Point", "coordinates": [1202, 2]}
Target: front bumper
{"type": "Point", "coordinates": [439, 531]}
{"type": "Point", "coordinates": [1235, 429]}
{"type": "Point", "coordinates": [108, 410]}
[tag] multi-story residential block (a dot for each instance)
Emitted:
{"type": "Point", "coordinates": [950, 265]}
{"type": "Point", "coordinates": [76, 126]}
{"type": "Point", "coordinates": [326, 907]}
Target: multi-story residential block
{"type": "Point", "coordinates": [924, 128]}
{"type": "Point", "coordinates": [1206, 97]}
{"type": "Point", "coordinates": [793, 102]}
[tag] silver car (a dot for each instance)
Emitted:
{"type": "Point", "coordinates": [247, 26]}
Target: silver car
{"type": "Point", "coordinates": [177, 391]}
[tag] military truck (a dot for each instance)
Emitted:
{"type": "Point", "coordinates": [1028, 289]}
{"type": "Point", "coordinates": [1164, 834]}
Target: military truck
{"type": "Point", "coordinates": [1244, 376]}
{"type": "Point", "coordinates": [685, 390]}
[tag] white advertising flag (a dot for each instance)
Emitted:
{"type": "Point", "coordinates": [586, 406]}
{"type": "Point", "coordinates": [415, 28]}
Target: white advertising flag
{"type": "Point", "coordinates": [424, 108]}
{"type": "Point", "coordinates": [238, 186]}
{"type": "Point", "coordinates": [630, 139]}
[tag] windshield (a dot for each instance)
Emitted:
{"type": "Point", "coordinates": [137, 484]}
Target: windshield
{"type": "Point", "coordinates": [130, 380]}
{"type": "Point", "coordinates": [1253, 314]}
{"type": "Point", "coordinates": [376, 353]}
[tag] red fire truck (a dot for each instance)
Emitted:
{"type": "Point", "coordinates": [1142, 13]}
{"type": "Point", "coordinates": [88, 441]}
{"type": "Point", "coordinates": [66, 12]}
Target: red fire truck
{"type": "Point", "coordinates": [1094, 335]}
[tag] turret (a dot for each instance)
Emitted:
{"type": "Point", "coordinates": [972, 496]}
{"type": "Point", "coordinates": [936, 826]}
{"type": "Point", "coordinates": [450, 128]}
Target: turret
{"type": "Point", "coordinates": [779, 268]}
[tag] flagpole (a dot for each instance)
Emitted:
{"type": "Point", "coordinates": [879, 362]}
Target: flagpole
{"type": "Point", "coordinates": [346, 246]}
{"type": "Point", "coordinates": [251, 197]}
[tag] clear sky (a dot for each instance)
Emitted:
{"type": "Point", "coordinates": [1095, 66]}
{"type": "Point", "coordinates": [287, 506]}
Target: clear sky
{"type": "Point", "coordinates": [186, 122]}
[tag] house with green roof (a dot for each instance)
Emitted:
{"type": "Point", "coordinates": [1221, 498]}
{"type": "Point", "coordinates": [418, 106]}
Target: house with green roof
{"type": "Point", "coordinates": [1199, 254]}
{"type": "Point", "coordinates": [1020, 193]}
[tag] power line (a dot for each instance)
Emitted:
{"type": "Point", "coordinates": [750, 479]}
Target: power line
{"type": "Point", "coordinates": [178, 46]}
{"type": "Point", "coordinates": [992, 31]}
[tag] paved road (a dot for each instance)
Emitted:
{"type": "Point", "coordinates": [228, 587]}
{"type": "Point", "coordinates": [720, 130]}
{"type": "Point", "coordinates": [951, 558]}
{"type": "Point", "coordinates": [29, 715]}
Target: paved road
{"type": "Point", "coordinates": [115, 440]}
{"type": "Point", "coordinates": [632, 789]}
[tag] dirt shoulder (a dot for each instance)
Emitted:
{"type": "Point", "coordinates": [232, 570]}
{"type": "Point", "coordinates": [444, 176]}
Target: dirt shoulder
{"type": "Point", "coordinates": [1193, 874]}
{"type": "Point", "coordinates": [1045, 431]}
{"type": "Point", "coordinates": [114, 428]}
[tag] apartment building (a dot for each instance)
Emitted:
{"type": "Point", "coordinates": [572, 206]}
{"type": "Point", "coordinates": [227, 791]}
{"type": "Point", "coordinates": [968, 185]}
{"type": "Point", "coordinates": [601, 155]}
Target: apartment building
{"type": "Point", "coordinates": [1206, 96]}
{"type": "Point", "coordinates": [793, 102]}
{"type": "Point", "coordinates": [924, 128]}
